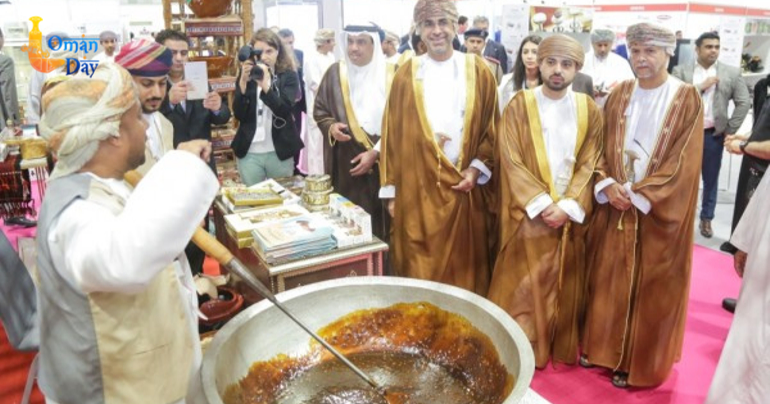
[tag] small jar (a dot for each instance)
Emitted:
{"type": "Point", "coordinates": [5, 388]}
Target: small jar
{"type": "Point", "coordinates": [318, 183]}
{"type": "Point", "coordinates": [311, 198]}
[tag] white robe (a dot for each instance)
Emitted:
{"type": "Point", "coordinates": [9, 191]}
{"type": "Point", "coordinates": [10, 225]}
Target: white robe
{"type": "Point", "coordinates": [558, 119]}
{"type": "Point", "coordinates": [87, 238]}
{"type": "Point", "coordinates": [645, 115]}
{"type": "Point", "coordinates": [444, 87]}
{"type": "Point", "coordinates": [607, 73]}
{"type": "Point", "coordinates": [314, 69]}
{"type": "Point", "coordinates": [743, 373]}
{"type": "Point", "coordinates": [505, 91]}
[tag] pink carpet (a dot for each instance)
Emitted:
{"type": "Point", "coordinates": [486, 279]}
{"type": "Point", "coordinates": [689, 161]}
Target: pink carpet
{"type": "Point", "coordinates": [713, 278]}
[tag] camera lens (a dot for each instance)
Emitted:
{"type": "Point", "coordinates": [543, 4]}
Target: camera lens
{"type": "Point", "coordinates": [256, 73]}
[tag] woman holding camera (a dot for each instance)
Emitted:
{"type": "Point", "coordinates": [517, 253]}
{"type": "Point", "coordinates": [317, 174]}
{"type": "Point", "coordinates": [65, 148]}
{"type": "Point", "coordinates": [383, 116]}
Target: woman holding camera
{"type": "Point", "coordinates": [267, 140]}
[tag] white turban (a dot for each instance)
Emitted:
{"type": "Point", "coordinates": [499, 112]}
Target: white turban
{"type": "Point", "coordinates": [79, 113]}
{"type": "Point", "coordinates": [323, 35]}
{"type": "Point", "coordinates": [602, 35]}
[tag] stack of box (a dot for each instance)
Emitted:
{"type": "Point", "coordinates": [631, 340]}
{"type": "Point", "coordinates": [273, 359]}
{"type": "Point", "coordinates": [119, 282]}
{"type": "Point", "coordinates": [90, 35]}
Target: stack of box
{"type": "Point", "coordinates": [240, 225]}
{"type": "Point", "coordinates": [353, 225]}
{"type": "Point", "coordinates": [269, 185]}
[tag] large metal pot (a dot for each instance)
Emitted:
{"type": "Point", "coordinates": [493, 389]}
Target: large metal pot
{"type": "Point", "coordinates": [262, 331]}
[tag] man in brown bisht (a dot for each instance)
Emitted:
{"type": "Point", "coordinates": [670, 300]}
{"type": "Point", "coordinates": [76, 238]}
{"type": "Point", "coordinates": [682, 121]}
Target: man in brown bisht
{"type": "Point", "coordinates": [348, 109]}
{"type": "Point", "coordinates": [640, 244]}
{"type": "Point", "coordinates": [437, 146]}
{"type": "Point", "coordinates": [548, 148]}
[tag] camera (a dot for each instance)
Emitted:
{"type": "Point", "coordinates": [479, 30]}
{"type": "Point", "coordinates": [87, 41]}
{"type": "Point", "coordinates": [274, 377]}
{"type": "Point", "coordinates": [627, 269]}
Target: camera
{"type": "Point", "coordinates": [246, 53]}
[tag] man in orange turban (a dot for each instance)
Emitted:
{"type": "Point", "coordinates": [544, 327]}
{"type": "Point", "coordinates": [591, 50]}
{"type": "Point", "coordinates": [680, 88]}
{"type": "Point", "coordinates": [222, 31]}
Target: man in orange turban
{"type": "Point", "coordinates": [437, 155]}
{"type": "Point", "coordinates": [549, 146]}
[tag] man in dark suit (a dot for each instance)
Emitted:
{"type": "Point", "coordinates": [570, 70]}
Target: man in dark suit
{"type": "Point", "coordinates": [718, 84]}
{"type": "Point", "coordinates": [287, 38]}
{"type": "Point", "coordinates": [492, 49]}
{"type": "Point", "coordinates": [192, 119]}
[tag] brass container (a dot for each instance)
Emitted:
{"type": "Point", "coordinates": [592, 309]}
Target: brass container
{"type": "Point", "coordinates": [318, 183]}
{"type": "Point", "coordinates": [262, 331]}
{"type": "Point", "coordinates": [310, 198]}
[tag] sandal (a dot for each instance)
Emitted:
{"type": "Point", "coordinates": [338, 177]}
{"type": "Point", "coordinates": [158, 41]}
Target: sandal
{"type": "Point", "coordinates": [620, 380]}
{"type": "Point", "coordinates": [583, 361]}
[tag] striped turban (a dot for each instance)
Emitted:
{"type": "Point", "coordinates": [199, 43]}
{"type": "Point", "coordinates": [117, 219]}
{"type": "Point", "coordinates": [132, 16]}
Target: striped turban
{"type": "Point", "coordinates": [80, 112]}
{"type": "Point", "coordinates": [602, 35]}
{"type": "Point", "coordinates": [425, 9]}
{"type": "Point", "coordinates": [563, 46]}
{"type": "Point", "coordinates": [651, 35]}
{"type": "Point", "coordinates": [145, 58]}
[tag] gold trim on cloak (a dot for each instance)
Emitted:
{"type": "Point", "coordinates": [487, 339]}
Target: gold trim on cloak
{"type": "Point", "coordinates": [536, 132]}
{"type": "Point", "coordinates": [355, 129]}
{"type": "Point", "coordinates": [470, 99]}
{"type": "Point", "coordinates": [358, 133]}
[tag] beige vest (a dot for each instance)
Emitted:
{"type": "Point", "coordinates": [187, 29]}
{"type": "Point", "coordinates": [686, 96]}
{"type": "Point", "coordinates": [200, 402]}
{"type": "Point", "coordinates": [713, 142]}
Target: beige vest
{"type": "Point", "coordinates": [144, 340]}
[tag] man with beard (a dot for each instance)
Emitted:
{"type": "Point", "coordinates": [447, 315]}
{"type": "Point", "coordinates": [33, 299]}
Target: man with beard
{"type": "Point", "coordinates": [606, 68]}
{"type": "Point", "coordinates": [349, 107]}
{"type": "Point", "coordinates": [640, 243]}
{"type": "Point", "coordinates": [437, 146]}
{"type": "Point", "coordinates": [548, 149]}
{"type": "Point", "coordinates": [116, 300]}
{"type": "Point", "coordinates": [149, 63]}
{"type": "Point", "coordinates": [390, 48]}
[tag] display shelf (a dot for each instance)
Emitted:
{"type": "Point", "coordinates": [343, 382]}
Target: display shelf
{"type": "Point", "coordinates": [225, 84]}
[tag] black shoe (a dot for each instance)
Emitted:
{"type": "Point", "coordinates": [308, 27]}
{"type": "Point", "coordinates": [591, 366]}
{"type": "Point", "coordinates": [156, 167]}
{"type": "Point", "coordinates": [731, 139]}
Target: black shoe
{"type": "Point", "coordinates": [20, 221]}
{"type": "Point", "coordinates": [728, 304]}
{"type": "Point", "coordinates": [728, 248]}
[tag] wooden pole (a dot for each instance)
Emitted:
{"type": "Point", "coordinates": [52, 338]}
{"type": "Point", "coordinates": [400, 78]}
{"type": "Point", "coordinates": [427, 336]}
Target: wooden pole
{"type": "Point", "coordinates": [248, 20]}
{"type": "Point", "coordinates": [167, 13]}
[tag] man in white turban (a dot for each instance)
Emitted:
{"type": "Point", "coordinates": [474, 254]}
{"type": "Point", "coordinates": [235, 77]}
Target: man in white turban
{"type": "Point", "coordinates": [641, 237]}
{"type": "Point", "coordinates": [348, 110]}
{"type": "Point", "coordinates": [606, 68]}
{"type": "Point", "coordinates": [117, 303]}
{"type": "Point", "coordinates": [316, 64]}
{"type": "Point", "coordinates": [390, 47]}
